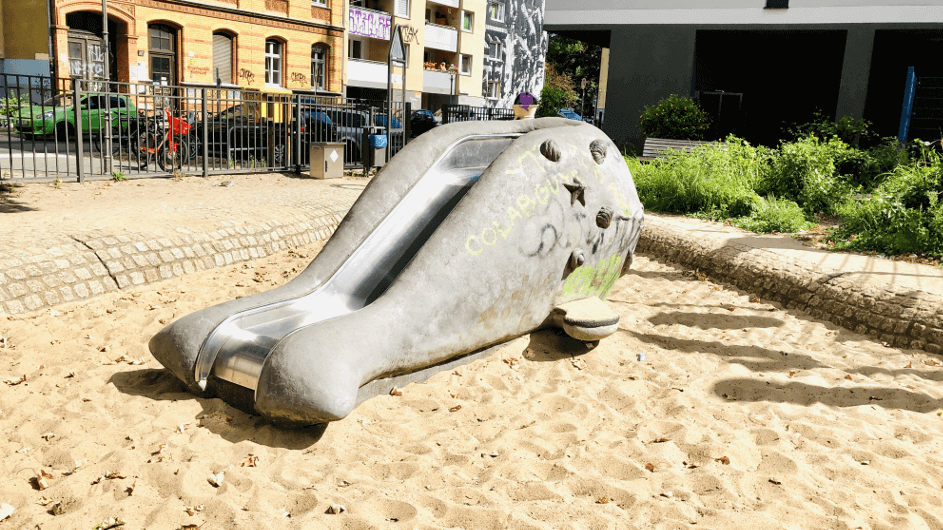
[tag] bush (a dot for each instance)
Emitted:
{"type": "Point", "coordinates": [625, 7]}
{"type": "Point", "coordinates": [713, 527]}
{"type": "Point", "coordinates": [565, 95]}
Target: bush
{"type": "Point", "coordinates": [774, 215]}
{"type": "Point", "coordinates": [853, 132]}
{"type": "Point", "coordinates": [676, 117]}
{"type": "Point", "coordinates": [805, 171]}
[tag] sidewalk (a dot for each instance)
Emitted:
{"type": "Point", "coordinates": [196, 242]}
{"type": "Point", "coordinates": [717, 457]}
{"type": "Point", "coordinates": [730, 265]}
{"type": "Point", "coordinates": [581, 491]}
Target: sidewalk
{"type": "Point", "coordinates": [80, 241]}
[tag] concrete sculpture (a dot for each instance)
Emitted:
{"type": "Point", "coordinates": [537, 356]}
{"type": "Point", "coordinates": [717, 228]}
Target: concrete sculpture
{"type": "Point", "coordinates": [468, 238]}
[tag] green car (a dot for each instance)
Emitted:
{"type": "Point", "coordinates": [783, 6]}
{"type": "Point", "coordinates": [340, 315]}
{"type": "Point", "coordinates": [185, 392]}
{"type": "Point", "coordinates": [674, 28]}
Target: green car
{"type": "Point", "coordinates": [57, 115]}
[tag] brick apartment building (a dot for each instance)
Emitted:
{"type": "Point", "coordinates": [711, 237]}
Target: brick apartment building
{"type": "Point", "coordinates": [278, 45]}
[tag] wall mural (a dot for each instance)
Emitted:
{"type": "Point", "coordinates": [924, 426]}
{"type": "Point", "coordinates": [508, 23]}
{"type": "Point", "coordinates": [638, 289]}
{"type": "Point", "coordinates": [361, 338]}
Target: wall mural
{"type": "Point", "coordinates": [526, 46]}
{"type": "Point", "coordinates": [520, 66]}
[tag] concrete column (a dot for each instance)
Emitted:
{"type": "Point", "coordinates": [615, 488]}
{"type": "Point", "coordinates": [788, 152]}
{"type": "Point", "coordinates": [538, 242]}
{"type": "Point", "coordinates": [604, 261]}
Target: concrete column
{"type": "Point", "coordinates": [856, 70]}
{"type": "Point", "coordinates": [647, 64]}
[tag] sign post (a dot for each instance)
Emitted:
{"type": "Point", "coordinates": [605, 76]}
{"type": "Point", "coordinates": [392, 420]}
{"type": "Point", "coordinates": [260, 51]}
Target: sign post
{"type": "Point", "coordinates": [397, 56]}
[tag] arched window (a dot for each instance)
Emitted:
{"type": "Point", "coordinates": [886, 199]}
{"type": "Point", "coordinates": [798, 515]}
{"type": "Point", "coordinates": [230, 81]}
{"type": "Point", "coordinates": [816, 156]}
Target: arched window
{"type": "Point", "coordinates": [223, 57]}
{"type": "Point", "coordinates": [318, 66]}
{"type": "Point", "coordinates": [162, 49]}
{"type": "Point", "coordinates": [273, 62]}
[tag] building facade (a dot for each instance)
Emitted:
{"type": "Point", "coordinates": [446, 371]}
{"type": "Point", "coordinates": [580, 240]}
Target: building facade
{"type": "Point", "coordinates": [515, 50]}
{"type": "Point", "coordinates": [23, 49]}
{"type": "Point", "coordinates": [275, 45]}
{"type": "Point", "coordinates": [444, 49]}
{"type": "Point", "coordinates": [757, 65]}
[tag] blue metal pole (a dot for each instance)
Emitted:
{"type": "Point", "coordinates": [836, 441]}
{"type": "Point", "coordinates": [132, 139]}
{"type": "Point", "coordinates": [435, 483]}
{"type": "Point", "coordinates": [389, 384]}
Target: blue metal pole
{"type": "Point", "coordinates": [905, 112]}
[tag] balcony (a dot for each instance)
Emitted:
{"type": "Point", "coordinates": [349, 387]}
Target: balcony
{"type": "Point", "coordinates": [443, 38]}
{"type": "Point", "coordinates": [447, 3]}
{"type": "Point", "coordinates": [436, 82]}
{"type": "Point", "coordinates": [368, 23]}
{"type": "Point", "coordinates": [366, 73]}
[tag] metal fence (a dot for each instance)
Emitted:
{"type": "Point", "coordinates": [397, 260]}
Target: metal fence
{"type": "Point", "coordinates": [454, 113]}
{"type": "Point", "coordinates": [86, 129]}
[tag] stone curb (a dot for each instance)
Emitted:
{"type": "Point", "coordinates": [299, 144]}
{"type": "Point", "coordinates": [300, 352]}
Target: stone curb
{"type": "Point", "coordinates": [898, 317]}
{"type": "Point", "coordinates": [86, 264]}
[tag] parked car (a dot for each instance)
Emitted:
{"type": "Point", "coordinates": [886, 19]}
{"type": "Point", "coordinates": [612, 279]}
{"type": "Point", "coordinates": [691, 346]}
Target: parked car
{"type": "Point", "coordinates": [569, 114]}
{"type": "Point", "coordinates": [422, 121]}
{"type": "Point", "coordinates": [244, 136]}
{"type": "Point", "coordinates": [57, 115]}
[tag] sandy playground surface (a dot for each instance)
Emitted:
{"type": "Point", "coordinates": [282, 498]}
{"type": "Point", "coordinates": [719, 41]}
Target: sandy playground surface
{"type": "Point", "coordinates": [740, 415]}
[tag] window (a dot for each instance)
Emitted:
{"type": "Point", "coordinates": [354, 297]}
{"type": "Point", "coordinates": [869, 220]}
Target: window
{"type": "Point", "coordinates": [496, 10]}
{"type": "Point", "coordinates": [162, 48]}
{"type": "Point", "coordinates": [402, 8]}
{"type": "Point", "coordinates": [468, 21]}
{"type": "Point", "coordinates": [466, 64]}
{"type": "Point", "coordinates": [318, 66]}
{"type": "Point", "coordinates": [273, 63]}
{"type": "Point", "coordinates": [356, 50]}
{"type": "Point", "coordinates": [319, 3]}
{"type": "Point", "coordinates": [496, 51]}
{"type": "Point", "coordinates": [494, 89]}
{"type": "Point", "coordinates": [222, 58]}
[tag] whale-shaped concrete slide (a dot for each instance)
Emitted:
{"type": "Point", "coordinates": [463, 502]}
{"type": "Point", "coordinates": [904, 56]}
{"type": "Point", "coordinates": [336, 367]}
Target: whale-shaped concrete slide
{"type": "Point", "coordinates": [475, 233]}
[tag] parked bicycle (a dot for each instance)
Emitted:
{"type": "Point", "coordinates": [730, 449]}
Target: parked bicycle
{"type": "Point", "coordinates": [162, 139]}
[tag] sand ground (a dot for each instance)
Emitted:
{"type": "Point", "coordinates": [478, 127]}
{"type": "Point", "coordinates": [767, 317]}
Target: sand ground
{"type": "Point", "coordinates": [739, 415]}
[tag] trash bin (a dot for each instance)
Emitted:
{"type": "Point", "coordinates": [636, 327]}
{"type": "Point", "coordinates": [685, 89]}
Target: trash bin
{"type": "Point", "coordinates": [376, 153]}
{"type": "Point", "coordinates": [327, 160]}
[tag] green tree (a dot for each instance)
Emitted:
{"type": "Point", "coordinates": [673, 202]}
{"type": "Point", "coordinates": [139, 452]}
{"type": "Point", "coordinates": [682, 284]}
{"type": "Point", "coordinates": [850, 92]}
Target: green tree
{"type": "Point", "coordinates": [577, 60]}
{"type": "Point", "coordinates": [557, 93]}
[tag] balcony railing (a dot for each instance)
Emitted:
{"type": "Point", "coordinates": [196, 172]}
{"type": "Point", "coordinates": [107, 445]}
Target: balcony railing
{"type": "Point", "coordinates": [436, 82]}
{"type": "Point", "coordinates": [441, 37]}
{"type": "Point", "coordinates": [366, 73]}
{"type": "Point", "coordinates": [447, 3]}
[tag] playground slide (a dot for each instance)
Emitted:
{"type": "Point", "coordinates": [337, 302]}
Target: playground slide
{"type": "Point", "coordinates": [467, 239]}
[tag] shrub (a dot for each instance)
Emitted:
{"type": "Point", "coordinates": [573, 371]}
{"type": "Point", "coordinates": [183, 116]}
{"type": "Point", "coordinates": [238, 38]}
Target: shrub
{"type": "Point", "coordinates": [676, 117]}
{"type": "Point", "coordinates": [717, 183]}
{"type": "Point", "coordinates": [903, 214]}
{"type": "Point", "coordinates": [805, 171]}
{"type": "Point", "coordinates": [11, 106]}
{"type": "Point", "coordinates": [551, 99]}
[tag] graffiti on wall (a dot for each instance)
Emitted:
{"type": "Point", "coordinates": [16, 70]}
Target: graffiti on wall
{"type": "Point", "coordinates": [247, 75]}
{"type": "Point", "coordinates": [300, 78]}
{"type": "Point", "coordinates": [368, 23]}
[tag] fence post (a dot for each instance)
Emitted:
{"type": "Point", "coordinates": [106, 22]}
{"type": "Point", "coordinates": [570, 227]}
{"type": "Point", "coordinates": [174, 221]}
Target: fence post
{"type": "Point", "coordinates": [297, 131]}
{"type": "Point", "coordinates": [407, 126]}
{"type": "Point", "coordinates": [204, 141]}
{"type": "Point", "coordinates": [77, 108]}
{"type": "Point", "coordinates": [910, 86]}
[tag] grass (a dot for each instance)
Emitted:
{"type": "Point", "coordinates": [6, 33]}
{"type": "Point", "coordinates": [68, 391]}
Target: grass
{"type": "Point", "coordinates": [883, 200]}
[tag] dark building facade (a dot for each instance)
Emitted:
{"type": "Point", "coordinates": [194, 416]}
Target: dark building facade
{"type": "Point", "coordinates": [758, 65]}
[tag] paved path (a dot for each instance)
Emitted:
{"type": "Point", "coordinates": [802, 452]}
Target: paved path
{"type": "Point", "coordinates": [78, 241]}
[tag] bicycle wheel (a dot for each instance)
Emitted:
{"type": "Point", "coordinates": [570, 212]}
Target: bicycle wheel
{"type": "Point", "coordinates": [146, 147]}
{"type": "Point", "coordinates": [169, 159]}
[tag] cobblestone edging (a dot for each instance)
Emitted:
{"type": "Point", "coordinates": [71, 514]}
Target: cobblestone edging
{"type": "Point", "coordinates": [86, 264]}
{"type": "Point", "coordinates": [906, 319]}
